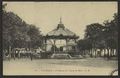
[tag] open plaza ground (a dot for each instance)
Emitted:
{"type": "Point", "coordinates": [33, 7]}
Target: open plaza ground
{"type": "Point", "coordinates": [86, 66]}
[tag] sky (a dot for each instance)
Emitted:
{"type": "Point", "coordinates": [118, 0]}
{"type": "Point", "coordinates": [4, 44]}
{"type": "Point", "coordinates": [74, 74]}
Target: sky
{"type": "Point", "coordinates": [75, 15]}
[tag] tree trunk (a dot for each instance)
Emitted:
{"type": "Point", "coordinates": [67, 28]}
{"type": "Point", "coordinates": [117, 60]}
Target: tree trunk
{"type": "Point", "coordinates": [9, 51]}
{"type": "Point", "coordinates": [92, 52]}
{"type": "Point", "coordinates": [95, 52]}
{"type": "Point", "coordinates": [108, 54]}
{"type": "Point", "coordinates": [116, 53]}
{"type": "Point", "coordinates": [104, 50]}
{"type": "Point", "coordinates": [100, 53]}
{"type": "Point", "coordinates": [89, 52]}
{"type": "Point", "coordinates": [112, 52]}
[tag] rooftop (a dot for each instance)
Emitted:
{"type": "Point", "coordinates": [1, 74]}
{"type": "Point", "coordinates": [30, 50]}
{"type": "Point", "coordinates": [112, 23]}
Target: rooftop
{"type": "Point", "coordinates": [61, 31]}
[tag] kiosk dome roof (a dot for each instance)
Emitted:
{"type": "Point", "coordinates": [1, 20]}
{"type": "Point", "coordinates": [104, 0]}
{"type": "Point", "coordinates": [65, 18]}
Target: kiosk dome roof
{"type": "Point", "coordinates": [61, 31]}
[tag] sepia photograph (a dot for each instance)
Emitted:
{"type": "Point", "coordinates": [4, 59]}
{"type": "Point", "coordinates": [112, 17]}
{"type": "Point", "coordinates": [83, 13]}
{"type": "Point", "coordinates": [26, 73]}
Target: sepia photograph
{"type": "Point", "coordinates": [60, 38]}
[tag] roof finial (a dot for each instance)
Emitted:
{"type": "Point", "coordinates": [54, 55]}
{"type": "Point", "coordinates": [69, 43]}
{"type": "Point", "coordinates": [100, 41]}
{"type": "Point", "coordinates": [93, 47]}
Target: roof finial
{"type": "Point", "coordinates": [60, 20]}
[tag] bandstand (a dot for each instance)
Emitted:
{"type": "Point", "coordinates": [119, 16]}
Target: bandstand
{"type": "Point", "coordinates": [61, 33]}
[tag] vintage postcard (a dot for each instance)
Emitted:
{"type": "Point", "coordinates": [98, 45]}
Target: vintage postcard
{"type": "Point", "coordinates": [60, 38]}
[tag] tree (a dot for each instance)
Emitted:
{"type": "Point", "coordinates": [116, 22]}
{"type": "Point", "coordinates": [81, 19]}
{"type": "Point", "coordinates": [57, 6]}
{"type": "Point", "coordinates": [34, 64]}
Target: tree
{"type": "Point", "coordinates": [84, 45]}
{"type": "Point", "coordinates": [103, 36]}
{"type": "Point", "coordinates": [94, 33]}
{"type": "Point", "coordinates": [35, 37]}
{"type": "Point", "coordinates": [111, 34]}
{"type": "Point", "coordinates": [17, 33]}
